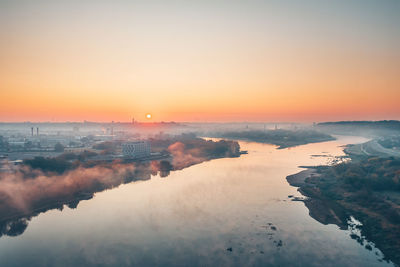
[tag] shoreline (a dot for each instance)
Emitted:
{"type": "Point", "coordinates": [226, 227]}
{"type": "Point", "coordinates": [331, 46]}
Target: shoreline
{"type": "Point", "coordinates": [328, 209]}
{"type": "Point", "coordinates": [320, 208]}
{"type": "Point", "coordinates": [14, 220]}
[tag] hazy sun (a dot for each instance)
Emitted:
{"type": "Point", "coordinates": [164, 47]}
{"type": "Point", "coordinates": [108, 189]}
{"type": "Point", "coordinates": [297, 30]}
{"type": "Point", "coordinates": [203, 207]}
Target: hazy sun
{"type": "Point", "coordinates": [148, 116]}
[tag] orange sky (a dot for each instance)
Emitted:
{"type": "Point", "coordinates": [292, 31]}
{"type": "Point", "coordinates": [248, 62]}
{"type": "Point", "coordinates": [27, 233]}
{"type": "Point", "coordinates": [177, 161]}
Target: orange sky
{"type": "Point", "coordinates": [188, 61]}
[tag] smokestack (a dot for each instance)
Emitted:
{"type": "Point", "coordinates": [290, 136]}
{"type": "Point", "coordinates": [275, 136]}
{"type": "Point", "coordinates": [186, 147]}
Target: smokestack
{"type": "Point", "coordinates": [32, 131]}
{"type": "Point", "coordinates": [37, 131]}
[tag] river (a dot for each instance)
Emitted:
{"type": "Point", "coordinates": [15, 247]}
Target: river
{"type": "Point", "coordinates": [224, 212]}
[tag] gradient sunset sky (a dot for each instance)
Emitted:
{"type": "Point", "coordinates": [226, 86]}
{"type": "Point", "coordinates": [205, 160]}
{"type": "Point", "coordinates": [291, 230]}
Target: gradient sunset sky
{"type": "Point", "coordinates": [199, 60]}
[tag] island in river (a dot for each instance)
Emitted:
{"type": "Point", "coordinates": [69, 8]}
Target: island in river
{"type": "Point", "coordinates": [283, 138]}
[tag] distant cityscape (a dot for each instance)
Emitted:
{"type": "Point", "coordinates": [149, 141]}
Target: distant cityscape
{"type": "Point", "coordinates": [22, 141]}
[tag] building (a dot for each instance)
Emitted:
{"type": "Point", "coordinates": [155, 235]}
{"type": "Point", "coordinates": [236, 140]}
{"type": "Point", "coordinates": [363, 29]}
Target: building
{"type": "Point", "coordinates": [136, 149]}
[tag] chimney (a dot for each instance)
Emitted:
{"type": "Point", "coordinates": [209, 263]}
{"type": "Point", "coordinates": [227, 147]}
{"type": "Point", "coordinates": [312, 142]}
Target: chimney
{"type": "Point", "coordinates": [32, 131]}
{"type": "Point", "coordinates": [37, 131]}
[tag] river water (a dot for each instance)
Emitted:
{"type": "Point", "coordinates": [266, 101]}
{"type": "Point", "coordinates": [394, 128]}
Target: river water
{"type": "Point", "coordinates": [225, 212]}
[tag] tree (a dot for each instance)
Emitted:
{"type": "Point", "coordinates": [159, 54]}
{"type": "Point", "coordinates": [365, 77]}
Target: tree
{"type": "Point", "coordinates": [59, 147]}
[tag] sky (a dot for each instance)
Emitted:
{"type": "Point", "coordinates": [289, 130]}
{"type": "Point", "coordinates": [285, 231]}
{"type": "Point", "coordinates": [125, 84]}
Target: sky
{"type": "Point", "coordinates": [204, 60]}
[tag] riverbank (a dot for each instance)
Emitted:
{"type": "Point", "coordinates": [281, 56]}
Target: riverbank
{"type": "Point", "coordinates": [320, 207]}
{"type": "Point", "coordinates": [43, 184]}
{"type": "Point", "coordinates": [335, 193]}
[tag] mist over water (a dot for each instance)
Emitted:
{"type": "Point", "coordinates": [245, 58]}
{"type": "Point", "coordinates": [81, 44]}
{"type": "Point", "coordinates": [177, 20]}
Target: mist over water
{"type": "Point", "coordinates": [225, 212]}
{"type": "Point", "coordinates": [199, 133]}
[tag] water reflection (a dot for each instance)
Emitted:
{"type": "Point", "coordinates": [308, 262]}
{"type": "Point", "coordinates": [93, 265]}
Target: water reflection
{"type": "Point", "coordinates": [226, 212]}
{"type": "Point", "coordinates": [14, 219]}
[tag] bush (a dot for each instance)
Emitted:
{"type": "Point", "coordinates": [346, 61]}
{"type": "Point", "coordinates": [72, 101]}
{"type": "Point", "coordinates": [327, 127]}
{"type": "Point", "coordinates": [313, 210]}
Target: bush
{"type": "Point", "coordinates": [48, 164]}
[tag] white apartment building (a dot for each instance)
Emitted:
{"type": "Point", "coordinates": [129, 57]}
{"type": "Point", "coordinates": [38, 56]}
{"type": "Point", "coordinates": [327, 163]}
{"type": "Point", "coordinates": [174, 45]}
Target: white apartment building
{"type": "Point", "coordinates": [136, 149]}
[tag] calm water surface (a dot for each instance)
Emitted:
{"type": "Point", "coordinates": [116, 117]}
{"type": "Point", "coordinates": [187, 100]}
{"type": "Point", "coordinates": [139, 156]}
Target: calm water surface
{"type": "Point", "coordinates": [225, 212]}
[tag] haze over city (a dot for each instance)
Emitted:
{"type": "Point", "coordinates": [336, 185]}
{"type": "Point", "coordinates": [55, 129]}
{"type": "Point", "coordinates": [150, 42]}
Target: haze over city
{"type": "Point", "coordinates": [199, 133]}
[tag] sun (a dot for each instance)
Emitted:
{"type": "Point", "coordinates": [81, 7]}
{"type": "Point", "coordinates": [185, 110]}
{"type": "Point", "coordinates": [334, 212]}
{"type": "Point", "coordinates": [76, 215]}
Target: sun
{"type": "Point", "coordinates": [148, 116]}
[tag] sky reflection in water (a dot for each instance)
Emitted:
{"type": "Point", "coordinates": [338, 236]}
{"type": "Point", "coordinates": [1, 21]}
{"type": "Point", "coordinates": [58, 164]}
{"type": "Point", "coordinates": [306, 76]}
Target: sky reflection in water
{"type": "Point", "coordinates": [233, 211]}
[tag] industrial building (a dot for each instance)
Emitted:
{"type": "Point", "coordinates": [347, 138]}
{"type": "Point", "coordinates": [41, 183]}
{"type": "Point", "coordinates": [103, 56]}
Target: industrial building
{"type": "Point", "coordinates": [136, 149]}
